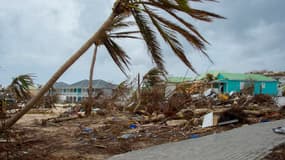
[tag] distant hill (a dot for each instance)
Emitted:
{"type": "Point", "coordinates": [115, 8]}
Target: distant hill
{"type": "Point", "coordinates": [60, 85]}
{"type": "Point", "coordinates": [98, 84]}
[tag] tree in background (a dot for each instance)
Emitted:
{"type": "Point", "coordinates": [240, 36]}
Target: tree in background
{"type": "Point", "coordinates": [20, 87]}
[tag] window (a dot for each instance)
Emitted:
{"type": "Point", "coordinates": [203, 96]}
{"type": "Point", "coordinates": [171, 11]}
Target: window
{"type": "Point", "coordinates": [241, 85]}
{"type": "Point", "coordinates": [263, 85]}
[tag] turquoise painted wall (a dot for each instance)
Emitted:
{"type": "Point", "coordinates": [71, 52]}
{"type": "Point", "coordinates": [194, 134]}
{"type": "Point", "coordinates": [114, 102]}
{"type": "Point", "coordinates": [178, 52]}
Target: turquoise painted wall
{"type": "Point", "coordinates": [268, 87]}
{"type": "Point", "coordinates": [233, 86]}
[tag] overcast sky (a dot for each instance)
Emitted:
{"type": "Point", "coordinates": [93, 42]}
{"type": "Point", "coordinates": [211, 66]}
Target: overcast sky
{"type": "Point", "coordinates": [37, 36]}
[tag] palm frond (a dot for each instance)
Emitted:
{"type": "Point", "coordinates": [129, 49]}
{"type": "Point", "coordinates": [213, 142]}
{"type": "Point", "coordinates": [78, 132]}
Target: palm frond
{"type": "Point", "coordinates": [149, 36]}
{"type": "Point", "coordinates": [195, 41]}
{"type": "Point", "coordinates": [168, 29]}
{"type": "Point", "coordinates": [204, 15]}
{"type": "Point", "coordinates": [122, 36]}
{"type": "Point", "coordinates": [183, 4]}
{"type": "Point", "coordinates": [120, 23]}
{"type": "Point", "coordinates": [118, 54]}
{"type": "Point", "coordinates": [188, 25]}
{"type": "Point", "coordinates": [20, 86]}
{"type": "Point", "coordinates": [147, 20]}
{"type": "Point", "coordinates": [154, 78]}
{"type": "Point", "coordinates": [126, 34]}
{"type": "Point", "coordinates": [121, 90]}
{"type": "Point", "coordinates": [170, 37]}
{"type": "Point", "coordinates": [194, 13]}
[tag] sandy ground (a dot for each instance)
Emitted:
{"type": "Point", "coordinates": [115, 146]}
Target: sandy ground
{"type": "Point", "coordinates": [69, 140]}
{"type": "Point", "coordinates": [95, 138]}
{"type": "Point", "coordinates": [31, 118]}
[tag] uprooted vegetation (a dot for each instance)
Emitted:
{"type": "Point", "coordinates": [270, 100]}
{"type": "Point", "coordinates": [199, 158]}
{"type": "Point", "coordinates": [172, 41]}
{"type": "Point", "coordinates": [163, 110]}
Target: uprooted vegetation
{"type": "Point", "coordinates": [136, 116]}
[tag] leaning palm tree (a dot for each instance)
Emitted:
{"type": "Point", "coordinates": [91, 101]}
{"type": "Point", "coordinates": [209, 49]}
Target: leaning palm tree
{"type": "Point", "coordinates": [113, 48]}
{"type": "Point", "coordinates": [149, 20]}
{"type": "Point", "coordinates": [20, 87]}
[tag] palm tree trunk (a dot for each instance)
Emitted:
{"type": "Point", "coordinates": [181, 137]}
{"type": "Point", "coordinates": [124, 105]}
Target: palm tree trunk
{"type": "Point", "coordinates": [138, 95]}
{"type": "Point", "coordinates": [90, 86]}
{"type": "Point", "coordinates": [94, 39]}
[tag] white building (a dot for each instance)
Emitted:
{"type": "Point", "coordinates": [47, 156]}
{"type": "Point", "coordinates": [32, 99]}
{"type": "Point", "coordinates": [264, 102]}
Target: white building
{"type": "Point", "coordinates": [78, 91]}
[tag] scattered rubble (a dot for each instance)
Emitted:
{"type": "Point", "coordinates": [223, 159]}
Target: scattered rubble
{"type": "Point", "coordinates": [174, 123]}
{"type": "Point", "coordinates": [278, 153]}
{"type": "Point", "coordinates": [114, 128]}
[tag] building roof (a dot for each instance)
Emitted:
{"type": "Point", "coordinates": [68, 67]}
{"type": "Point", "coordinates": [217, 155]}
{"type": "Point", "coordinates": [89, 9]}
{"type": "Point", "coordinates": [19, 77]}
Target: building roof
{"type": "Point", "coordinates": [241, 76]}
{"type": "Point", "coordinates": [178, 79]}
{"type": "Point", "coordinates": [97, 84]}
{"type": "Point", "coordinates": [203, 76]}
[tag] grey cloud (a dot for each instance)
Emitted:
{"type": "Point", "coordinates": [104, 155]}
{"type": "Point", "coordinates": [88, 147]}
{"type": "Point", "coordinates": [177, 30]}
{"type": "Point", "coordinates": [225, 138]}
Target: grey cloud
{"type": "Point", "coordinates": [251, 37]}
{"type": "Point", "coordinates": [38, 36]}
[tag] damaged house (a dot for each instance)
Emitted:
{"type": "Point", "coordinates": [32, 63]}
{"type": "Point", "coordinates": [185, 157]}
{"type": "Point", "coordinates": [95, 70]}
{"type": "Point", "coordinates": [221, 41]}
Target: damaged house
{"type": "Point", "coordinates": [173, 82]}
{"type": "Point", "coordinates": [237, 82]}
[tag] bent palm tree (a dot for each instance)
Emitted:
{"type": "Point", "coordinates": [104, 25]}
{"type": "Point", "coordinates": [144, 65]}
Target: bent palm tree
{"type": "Point", "coordinates": [147, 18]}
{"type": "Point", "coordinates": [20, 85]}
{"type": "Point", "coordinates": [117, 53]}
{"type": "Point", "coordinates": [18, 89]}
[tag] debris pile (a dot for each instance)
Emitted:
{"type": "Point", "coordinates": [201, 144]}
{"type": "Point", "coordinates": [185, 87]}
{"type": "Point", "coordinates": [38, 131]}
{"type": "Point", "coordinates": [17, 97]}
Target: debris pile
{"type": "Point", "coordinates": [196, 88]}
{"type": "Point", "coordinates": [130, 120]}
{"type": "Point", "coordinates": [110, 131]}
{"type": "Point", "coordinates": [184, 109]}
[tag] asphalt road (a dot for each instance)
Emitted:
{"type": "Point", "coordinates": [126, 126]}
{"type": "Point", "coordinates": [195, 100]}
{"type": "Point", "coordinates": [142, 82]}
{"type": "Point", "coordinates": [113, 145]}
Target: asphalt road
{"type": "Point", "coordinates": [245, 143]}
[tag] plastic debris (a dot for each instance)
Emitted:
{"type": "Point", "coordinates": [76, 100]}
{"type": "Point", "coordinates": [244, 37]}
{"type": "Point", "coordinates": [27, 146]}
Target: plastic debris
{"type": "Point", "coordinates": [208, 120]}
{"type": "Point", "coordinates": [133, 126]}
{"type": "Point", "coordinates": [193, 136]}
{"type": "Point", "coordinates": [279, 130]}
{"type": "Point", "coordinates": [87, 130]}
{"type": "Point", "coordinates": [127, 136]}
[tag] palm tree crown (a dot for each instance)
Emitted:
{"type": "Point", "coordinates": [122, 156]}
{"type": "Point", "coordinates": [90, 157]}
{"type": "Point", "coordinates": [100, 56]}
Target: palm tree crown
{"type": "Point", "coordinates": [149, 21]}
{"type": "Point", "coordinates": [20, 86]}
